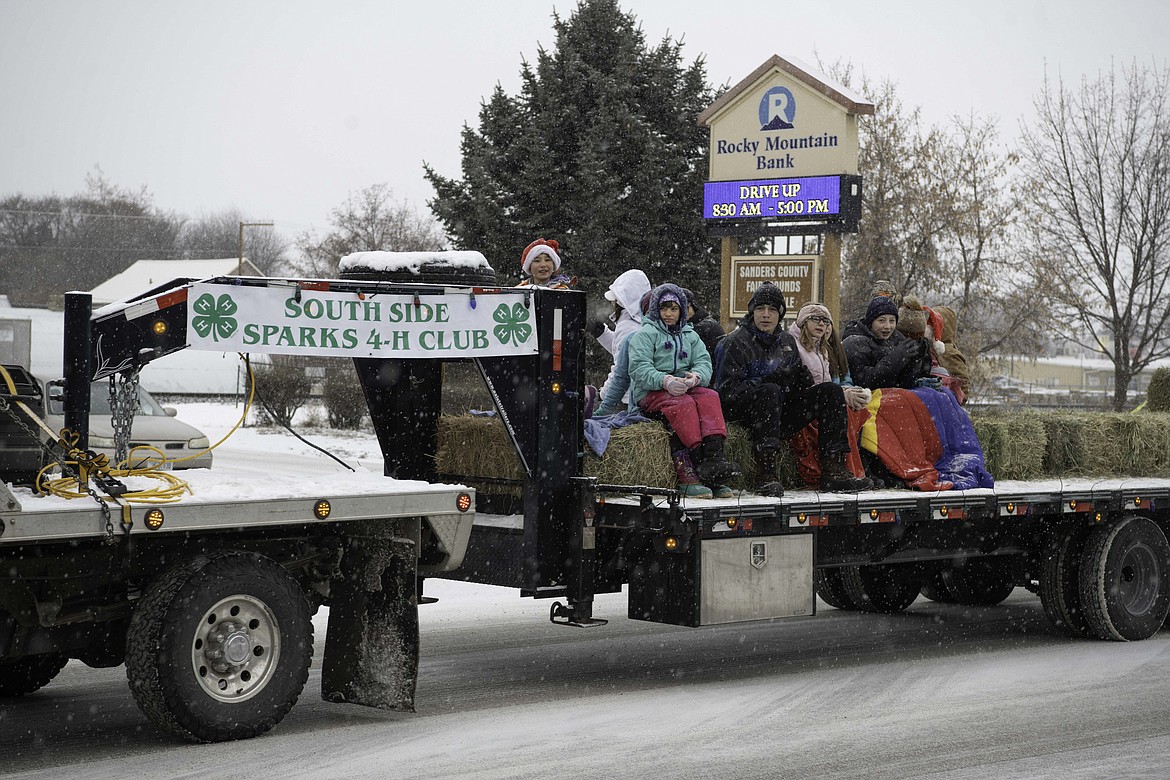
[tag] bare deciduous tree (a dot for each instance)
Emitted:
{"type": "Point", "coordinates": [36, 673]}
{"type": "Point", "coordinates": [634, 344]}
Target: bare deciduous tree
{"type": "Point", "coordinates": [1097, 163]}
{"type": "Point", "coordinates": [904, 201]}
{"type": "Point", "coordinates": [218, 235]}
{"type": "Point", "coordinates": [979, 251]}
{"type": "Point", "coordinates": [370, 220]}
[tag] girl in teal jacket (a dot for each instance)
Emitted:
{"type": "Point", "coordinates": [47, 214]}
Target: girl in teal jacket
{"type": "Point", "coordinates": [669, 369]}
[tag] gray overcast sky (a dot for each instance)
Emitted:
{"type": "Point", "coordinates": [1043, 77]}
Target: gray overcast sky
{"type": "Point", "coordinates": [281, 108]}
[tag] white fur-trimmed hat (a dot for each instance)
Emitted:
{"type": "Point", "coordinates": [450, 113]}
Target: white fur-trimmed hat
{"type": "Point", "coordinates": [541, 246]}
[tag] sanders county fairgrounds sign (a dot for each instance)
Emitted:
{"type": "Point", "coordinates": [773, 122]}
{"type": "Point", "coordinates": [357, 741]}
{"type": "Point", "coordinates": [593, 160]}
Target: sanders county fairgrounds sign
{"type": "Point", "coordinates": [228, 318]}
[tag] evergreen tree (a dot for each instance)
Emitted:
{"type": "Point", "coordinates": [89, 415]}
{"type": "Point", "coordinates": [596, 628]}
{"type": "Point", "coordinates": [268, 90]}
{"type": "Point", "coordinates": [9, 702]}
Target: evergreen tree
{"type": "Point", "coordinates": [601, 150]}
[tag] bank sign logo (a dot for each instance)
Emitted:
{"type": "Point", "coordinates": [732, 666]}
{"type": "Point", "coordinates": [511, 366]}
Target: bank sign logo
{"type": "Point", "coordinates": [777, 109]}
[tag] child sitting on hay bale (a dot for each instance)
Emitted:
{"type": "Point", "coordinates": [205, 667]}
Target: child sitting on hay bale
{"type": "Point", "coordinates": [765, 385]}
{"type": "Point", "coordinates": [669, 369]}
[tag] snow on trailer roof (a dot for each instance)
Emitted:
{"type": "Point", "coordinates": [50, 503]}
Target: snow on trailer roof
{"type": "Point", "coordinates": [414, 262]}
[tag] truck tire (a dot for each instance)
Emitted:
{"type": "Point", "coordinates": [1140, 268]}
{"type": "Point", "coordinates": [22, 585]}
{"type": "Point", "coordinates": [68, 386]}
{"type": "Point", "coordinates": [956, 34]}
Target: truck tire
{"type": "Point", "coordinates": [982, 582]}
{"type": "Point", "coordinates": [19, 676]}
{"type": "Point", "coordinates": [881, 587]}
{"type": "Point", "coordinates": [831, 589]}
{"type": "Point", "coordinates": [1125, 579]}
{"type": "Point", "coordinates": [1060, 593]}
{"type": "Point", "coordinates": [935, 588]}
{"type": "Point", "coordinates": [219, 647]}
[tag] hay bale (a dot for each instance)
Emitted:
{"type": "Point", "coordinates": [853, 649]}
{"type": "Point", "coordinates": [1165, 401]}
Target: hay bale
{"type": "Point", "coordinates": [474, 446]}
{"type": "Point", "coordinates": [1013, 444]}
{"type": "Point", "coordinates": [636, 455]}
{"type": "Point", "coordinates": [740, 450]}
{"type": "Point", "coordinates": [1067, 434]}
{"type": "Point", "coordinates": [1122, 444]}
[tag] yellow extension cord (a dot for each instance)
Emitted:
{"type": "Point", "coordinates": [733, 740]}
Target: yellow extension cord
{"type": "Point", "coordinates": [152, 458]}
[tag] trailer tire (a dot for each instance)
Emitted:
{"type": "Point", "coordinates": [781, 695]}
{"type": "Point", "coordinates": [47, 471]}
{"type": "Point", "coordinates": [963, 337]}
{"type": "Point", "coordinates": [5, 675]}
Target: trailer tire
{"type": "Point", "coordinates": [19, 676]}
{"type": "Point", "coordinates": [831, 589]}
{"type": "Point", "coordinates": [979, 582]}
{"type": "Point", "coordinates": [219, 647]}
{"type": "Point", "coordinates": [1124, 579]}
{"type": "Point", "coordinates": [934, 587]}
{"type": "Point", "coordinates": [1060, 593]}
{"type": "Point", "coordinates": [886, 588]}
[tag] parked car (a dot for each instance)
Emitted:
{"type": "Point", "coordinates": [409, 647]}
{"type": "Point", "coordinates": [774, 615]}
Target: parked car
{"type": "Point", "coordinates": [154, 425]}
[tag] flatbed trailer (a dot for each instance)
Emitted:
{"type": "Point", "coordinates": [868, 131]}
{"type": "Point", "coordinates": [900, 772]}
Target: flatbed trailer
{"type": "Point", "coordinates": [1094, 549]}
{"type": "Point", "coordinates": [702, 562]}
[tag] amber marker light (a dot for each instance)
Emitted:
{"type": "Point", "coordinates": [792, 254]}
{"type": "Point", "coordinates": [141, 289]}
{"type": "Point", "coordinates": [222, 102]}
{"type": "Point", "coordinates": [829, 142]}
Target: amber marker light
{"type": "Point", "coordinates": [1072, 505]}
{"type": "Point", "coordinates": [1137, 502]}
{"type": "Point", "coordinates": [1011, 508]}
{"type": "Point", "coordinates": [671, 543]}
{"type": "Point", "coordinates": [463, 502]}
{"type": "Point", "coordinates": [322, 509]}
{"type": "Point", "coordinates": [873, 513]}
{"type": "Point", "coordinates": [944, 511]}
{"type": "Point", "coordinates": [159, 327]}
{"type": "Point", "coordinates": [154, 519]}
{"type": "Point", "coordinates": [556, 388]}
{"type": "Point", "coordinates": [732, 522]}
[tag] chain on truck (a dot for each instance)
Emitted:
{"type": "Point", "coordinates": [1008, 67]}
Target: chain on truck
{"type": "Point", "coordinates": [208, 600]}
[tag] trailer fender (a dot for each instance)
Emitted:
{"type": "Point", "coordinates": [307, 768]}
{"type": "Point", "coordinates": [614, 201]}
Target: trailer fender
{"type": "Point", "coordinates": [371, 646]}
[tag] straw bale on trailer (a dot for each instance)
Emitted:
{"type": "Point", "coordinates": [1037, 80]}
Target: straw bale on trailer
{"type": "Point", "coordinates": [1013, 444]}
{"type": "Point", "coordinates": [1016, 445]}
{"type": "Point", "coordinates": [477, 446]}
{"type": "Point", "coordinates": [1126, 444]}
{"type": "Point", "coordinates": [636, 455]}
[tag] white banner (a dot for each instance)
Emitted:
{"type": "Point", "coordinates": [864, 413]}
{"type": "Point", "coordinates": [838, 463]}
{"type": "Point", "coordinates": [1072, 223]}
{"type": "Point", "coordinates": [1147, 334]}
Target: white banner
{"type": "Point", "coordinates": [229, 318]}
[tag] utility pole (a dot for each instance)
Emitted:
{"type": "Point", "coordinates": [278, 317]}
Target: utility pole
{"type": "Point", "coordinates": [240, 267]}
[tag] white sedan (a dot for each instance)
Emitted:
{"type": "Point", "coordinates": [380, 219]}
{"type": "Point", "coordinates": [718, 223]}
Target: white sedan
{"type": "Point", "coordinates": [154, 425]}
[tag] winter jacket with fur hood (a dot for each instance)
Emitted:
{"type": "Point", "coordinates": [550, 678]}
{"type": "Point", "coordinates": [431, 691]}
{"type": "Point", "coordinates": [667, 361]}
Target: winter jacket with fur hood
{"type": "Point", "coordinates": [656, 350]}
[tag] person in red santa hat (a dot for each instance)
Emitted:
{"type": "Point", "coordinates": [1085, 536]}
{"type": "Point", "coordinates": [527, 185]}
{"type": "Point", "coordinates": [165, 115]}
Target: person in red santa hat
{"type": "Point", "coordinates": [541, 264]}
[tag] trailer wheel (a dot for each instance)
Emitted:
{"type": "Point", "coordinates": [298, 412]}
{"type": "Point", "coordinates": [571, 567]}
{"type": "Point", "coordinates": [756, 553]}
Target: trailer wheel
{"type": "Point", "coordinates": [219, 647]}
{"type": "Point", "coordinates": [19, 676]}
{"type": "Point", "coordinates": [881, 587]}
{"type": "Point", "coordinates": [982, 582]}
{"type": "Point", "coordinates": [1060, 593]}
{"type": "Point", "coordinates": [831, 589]}
{"type": "Point", "coordinates": [934, 587]}
{"type": "Point", "coordinates": [1125, 587]}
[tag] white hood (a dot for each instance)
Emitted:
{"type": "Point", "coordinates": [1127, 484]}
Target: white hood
{"type": "Point", "coordinates": [628, 290]}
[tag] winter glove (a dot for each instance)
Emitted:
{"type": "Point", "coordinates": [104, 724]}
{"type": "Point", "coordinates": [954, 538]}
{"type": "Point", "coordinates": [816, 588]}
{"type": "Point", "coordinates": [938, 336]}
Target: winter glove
{"type": "Point", "coordinates": [857, 398]}
{"type": "Point", "coordinates": [933, 382]}
{"type": "Point", "coordinates": [692, 379]}
{"type": "Point", "coordinates": [912, 349]}
{"type": "Point", "coordinates": [674, 385]}
{"type": "Point", "coordinates": [595, 328]}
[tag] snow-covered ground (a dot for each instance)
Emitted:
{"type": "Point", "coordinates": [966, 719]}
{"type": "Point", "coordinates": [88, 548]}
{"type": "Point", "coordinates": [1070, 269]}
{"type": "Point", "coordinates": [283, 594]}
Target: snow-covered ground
{"type": "Point", "coordinates": [938, 691]}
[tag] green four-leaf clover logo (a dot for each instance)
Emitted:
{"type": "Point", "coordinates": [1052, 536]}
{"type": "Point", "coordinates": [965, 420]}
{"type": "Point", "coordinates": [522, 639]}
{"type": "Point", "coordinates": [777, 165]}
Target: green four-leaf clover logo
{"type": "Point", "coordinates": [213, 317]}
{"type": "Point", "coordinates": [513, 323]}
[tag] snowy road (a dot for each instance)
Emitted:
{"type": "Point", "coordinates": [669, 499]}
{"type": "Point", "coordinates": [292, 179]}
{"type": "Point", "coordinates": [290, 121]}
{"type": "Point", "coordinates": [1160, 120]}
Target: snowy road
{"type": "Point", "coordinates": [939, 691]}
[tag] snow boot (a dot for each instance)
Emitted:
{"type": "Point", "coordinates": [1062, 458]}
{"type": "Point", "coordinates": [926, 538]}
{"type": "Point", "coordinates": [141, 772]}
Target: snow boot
{"type": "Point", "coordinates": [688, 482]}
{"type": "Point", "coordinates": [766, 460]}
{"type": "Point", "coordinates": [722, 491]}
{"type": "Point", "coordinates": [713, 468]}
{"type": "Point", "coordinates": [836, 478]}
